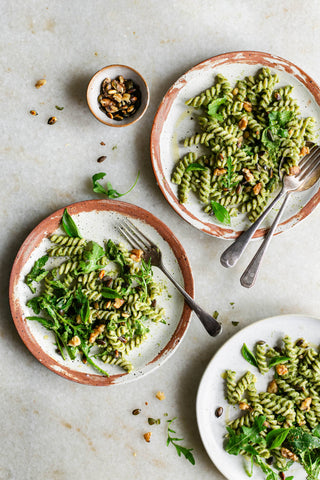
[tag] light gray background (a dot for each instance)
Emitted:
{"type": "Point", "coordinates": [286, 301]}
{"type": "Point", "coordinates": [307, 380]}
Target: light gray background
{"type": "Point", "coordinates": [51, 428]}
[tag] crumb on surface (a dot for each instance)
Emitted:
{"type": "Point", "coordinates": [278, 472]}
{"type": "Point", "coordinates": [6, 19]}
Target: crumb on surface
{"type": "Point", "coordinates": [160, 395]}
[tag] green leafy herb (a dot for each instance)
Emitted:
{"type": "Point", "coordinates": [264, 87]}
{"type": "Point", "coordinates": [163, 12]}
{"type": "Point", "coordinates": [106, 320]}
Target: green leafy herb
{"type": "Point", "coordinates": [37, 273]}
{"type": "Point", "coordinates": [277, 360]}
{"type": "Point", "coordinates": [220, 212]}
{"type": "Point", "coordinates": [214, 106]}
{"type": "Point", "coordinates": [228, 181]}
{"type": "Point", "coordinates": [180, 450]}
{"type": "Point", "coordinates": [91, 256]}
{"type": "Point", "coordinates": [271, 135]}
{"type": "Point", "coordinates": [235, 323]}
{"type": "Point", "coordinates": [154, 421]}
{"type": "Point", "coordinates": [110, 293]}
{"type": "Point", "coordinates": [110, 192]}
{"type": "Point", "coordinates": [307, 447]}
{"type": "Point", "coordinates": [59, 108]}
{"type": "Point", "coordinates": [113, 252]}
{"type": "Point", "coordinates": [240, 441]}
{"type": "Point", "coordinates": [69, 226]}
{"type": "Point", "coordinates": [215, 314]}
{"type": "Point", "coordinates": [275, 438]}
{"type": "Point", "coordinates": [248, 355]}
{"type": "Point", "coordinates": [195, 166]}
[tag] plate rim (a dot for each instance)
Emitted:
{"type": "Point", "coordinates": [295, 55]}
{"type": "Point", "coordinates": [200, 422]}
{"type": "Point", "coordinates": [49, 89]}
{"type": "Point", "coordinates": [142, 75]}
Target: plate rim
{"type": "Point", "coordinates": [33, 240]}
{"type": "Point", "coordinates": [244, 57]}
{"type": "Point", "coordinates": [207, 369]}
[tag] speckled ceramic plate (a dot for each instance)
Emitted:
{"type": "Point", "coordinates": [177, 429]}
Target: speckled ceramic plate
{"type": "Point", "coordinates": [211, 392]}
{"type": "Point", "coordinates": [98, 220]}
{"type": "Point", "coordinates": [173, 122]}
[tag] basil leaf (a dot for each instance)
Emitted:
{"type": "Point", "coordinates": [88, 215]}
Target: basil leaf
{"type": "Point", "coordinates": [237, 441]}
{"type": "Point", "coordinates": [284, 117]}
{"type": "Point", "coordinates": [110, 192]}
{"type": "Point", "coordinates": [68, 225]}
{"type": "Point", "coordinates": [248, 355]}
{"type": "Point", "coordinates": [220, 212]}
{"type": "Point", "coordinates": [275, 438]}
{"type": "Point", "coordinates": [214, 106]}
{"type": "Point", "coordinates": [195, 166]}
{"type": "Point", "coordinates": [276, 360]}
{"type": "Point", "coordinates": [110, 293]}
{"type": "Point", "coordinates": [37, 273]}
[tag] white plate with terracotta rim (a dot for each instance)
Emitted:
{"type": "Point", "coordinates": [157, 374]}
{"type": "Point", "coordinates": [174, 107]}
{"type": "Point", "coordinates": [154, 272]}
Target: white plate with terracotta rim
{"type": "Point", "coordinates": [211, 392]}
{"type": "Point", "coordinates": [98, 220]}
{"type": "Point", "coordinates": [173, 122]}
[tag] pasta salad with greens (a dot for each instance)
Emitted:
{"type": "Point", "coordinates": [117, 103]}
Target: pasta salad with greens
{"type": "Point", "coordinates": [98, 301]}
{"type": "Point", "coordinates": [247, 131]}
{"type": "Point", "coordinates": [281, 425]}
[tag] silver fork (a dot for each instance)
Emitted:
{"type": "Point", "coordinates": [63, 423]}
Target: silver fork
{"type": "Point", "coordinates": [308, 175]}
{"type": "Point", "coordinates": [153, 254]}
{"type": "Point", "coordinates": [291, 183]}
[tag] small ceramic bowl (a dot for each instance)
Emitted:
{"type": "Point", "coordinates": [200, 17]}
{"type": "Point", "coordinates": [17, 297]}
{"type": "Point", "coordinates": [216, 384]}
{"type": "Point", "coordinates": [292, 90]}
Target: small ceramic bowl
{"type": "Point", "coordinates": [112, 72]}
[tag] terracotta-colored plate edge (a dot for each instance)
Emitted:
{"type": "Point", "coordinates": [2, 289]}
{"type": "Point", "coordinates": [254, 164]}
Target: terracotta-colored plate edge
{"type": "Point", "coordinates": [47, 227]}
{"type": "Point", "coordinates": [246, 57]}
{"type": "Point", "coordinates": [137, 117]}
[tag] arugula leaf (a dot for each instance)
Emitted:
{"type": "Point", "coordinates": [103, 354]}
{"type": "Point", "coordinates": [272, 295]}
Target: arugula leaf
{"type": "Point", "coordinates": [281, 118]}
{"type": "Point", "coordinates": [195, 166]}
{"type": "Point", "coordinates": [140, 328]}
{"type": "Point", "coordinates": [114, 254]}
{"type": "Point", "coordinates": [276, 360]}
{"type": "Point", "coordinates": [69, 226]}
{"type": "Point", "coordinates": [91, 256]}
{"type": "Point", "coordinates": [248, 355]}
{"type": "Point", "coordinates": [45, 322]}
{"type": "Point", "coordinates": [228, 181]}
{"type": "Point", "coordinates": [239, 441]}
{"type": "Point", "coordinates": [186, 452]}
{"type": "Point", "coordinates": [110, 192]}
{"type": "Point", "coordinates": [300, 441]}
{"type": "Point", "coordinates": [220, 212]}
{"type": "Point", "coordinates": [37, 273]}
{"type": "Point", "coordinates": [214, 106]}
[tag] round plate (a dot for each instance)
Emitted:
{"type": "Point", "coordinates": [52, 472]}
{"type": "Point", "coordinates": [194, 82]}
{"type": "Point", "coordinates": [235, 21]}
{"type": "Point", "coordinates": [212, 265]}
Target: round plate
{"type": "Point", "coordinates": [173, 122]}
{"type": "Point", "coordinates": [211, 392]}
{"type": "Point", "coordinates": [98, 220]}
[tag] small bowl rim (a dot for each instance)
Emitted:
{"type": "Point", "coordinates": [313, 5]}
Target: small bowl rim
{"type": "Point", "coordinates": [107, 122]}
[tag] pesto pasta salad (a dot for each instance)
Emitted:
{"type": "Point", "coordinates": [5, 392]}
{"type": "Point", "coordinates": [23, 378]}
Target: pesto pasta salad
{"type": "Point", "coordinates": [99, 302]}
{"type": "Point", "coordinates": [279, 426]}
{"type": "Point", "coordinates": [246, 130]}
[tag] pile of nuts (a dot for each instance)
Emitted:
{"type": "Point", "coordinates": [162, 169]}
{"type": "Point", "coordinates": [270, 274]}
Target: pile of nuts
{"type": "Point", "coordinates": [119, 98]}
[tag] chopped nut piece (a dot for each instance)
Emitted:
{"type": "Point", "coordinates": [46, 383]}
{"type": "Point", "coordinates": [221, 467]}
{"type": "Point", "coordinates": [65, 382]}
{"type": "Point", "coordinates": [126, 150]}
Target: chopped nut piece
{"type": "Point", "coordinates": [272, 387]}
{"type": "Point", "coordinates": [40, 83]}
{"type": "Point", "coordinates": [96, 305]}
{"type": "Point", "coordinates": [136, 254]}
{"type": "Point", "coordinates": [74, 342]}
{"type": "Point", "coordinates": [125, 315]}
{"type": "Point", "coordinates": [288, 454]}
{"type": "Point", "coordinates": [304, 151]}
{"type": "Point", "coordinates": [294, 170]}
{"type": "Point", "coordinates": [266, 424]}
{"type": "Point", "coordinates": [33, 112]}
{"type": "Point", "coordinates": [101, 159]}
{"type": "Point", "coordinates": [235, 91]}
{"type": "Point", "coordinates": [101, 274]}
{"type": "Point", "coordinates": [305, 404]}
{"type": "Point", "coordinates": [160, 396]}
{"type": "Point", "coordinates": [219, 412]}
{"type": "Point", "coordinates": [219, 171]}
{"type": "Point", "coordinates": [247, 106]}
{"type": "Point", "coordinates": [246, 134]}
{"type": "Point", "coordinates": [96, 332]}
{"type": "Point", "coordinates": [147, 436]}
{"type": "Point", "coordinates": [277, 96]}
{"type": "Point", "coordinates": [107, 305]}
{"type": "Point", "coordinates": [243, 123]}
{"type": "Point", "coordinates": [118, 302]}
{"type": "Point", "coordinates": [247, 174]}
{"type": "Point", "coordinates": [256, 189]}
{"type": "Point", "coordinates": [52, 120]}
{"type": "Point", "coordinates": [281, 369]}
{"type": "Point", "coordinates": [244, 406]}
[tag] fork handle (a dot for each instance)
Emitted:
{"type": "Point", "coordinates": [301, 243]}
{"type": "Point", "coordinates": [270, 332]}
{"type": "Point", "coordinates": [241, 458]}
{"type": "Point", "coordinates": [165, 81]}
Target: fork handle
{"type": "Point", "coordinates": [249, 276]}
{"type": "Point", "coordinates": [232, 254]}
{"type": "Point", "coordinates": [210, 324]}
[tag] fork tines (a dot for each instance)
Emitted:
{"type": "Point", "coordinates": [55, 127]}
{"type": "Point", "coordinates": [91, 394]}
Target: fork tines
{"type": "Point", "coordinates": [134, 236]}
{"type": "Point", "coordinates": [309, 163]}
